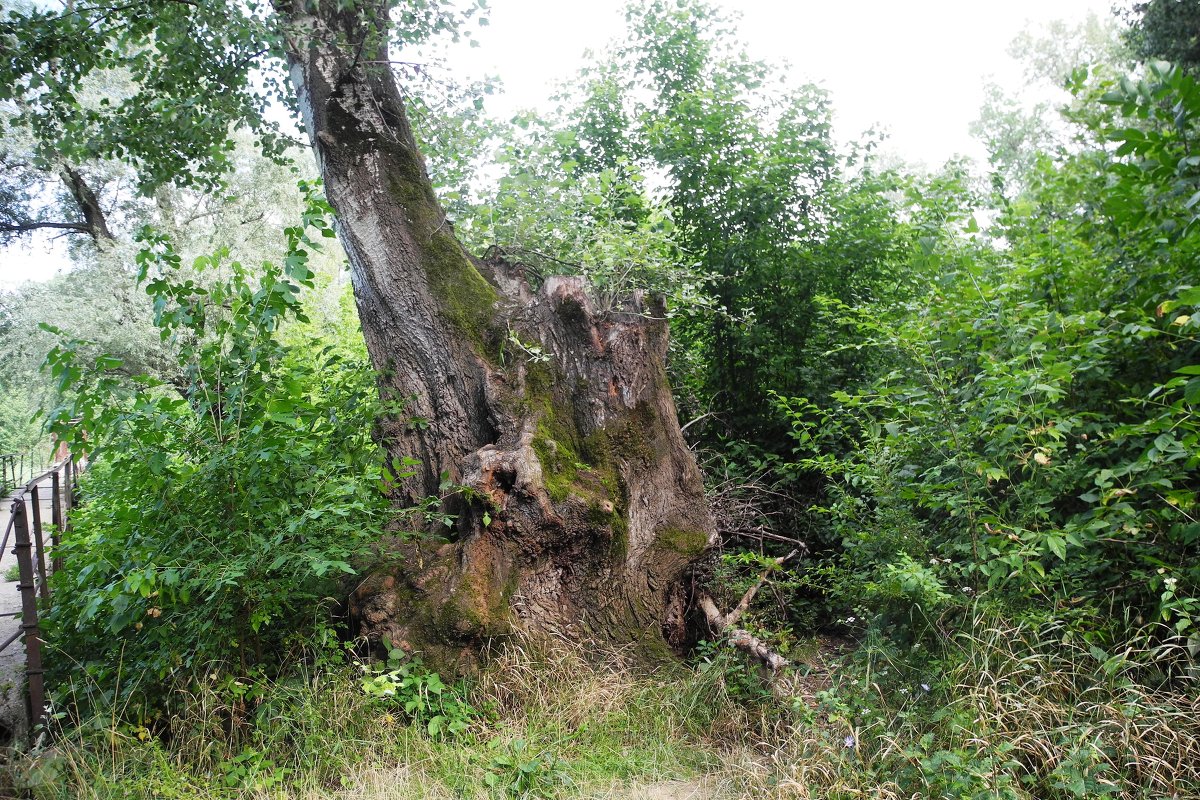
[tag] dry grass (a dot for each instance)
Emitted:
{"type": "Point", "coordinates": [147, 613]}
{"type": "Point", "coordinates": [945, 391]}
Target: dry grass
{"type": "Point", "coordinates": [1028, 713]}
{"type": "Point", "coordinates": [1021, 712]}
{"type": "Point", "coordinates": [1053, 699]}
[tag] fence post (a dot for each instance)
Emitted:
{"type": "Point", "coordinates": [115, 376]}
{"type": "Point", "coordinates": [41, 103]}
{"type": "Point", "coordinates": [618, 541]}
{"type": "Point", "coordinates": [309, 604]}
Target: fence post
{"type": "Point", "coordinates": [56, 514]}
{"type": "Point", "coordinates": [39, 550]}
{"type": "Point", "coordinates": [29, 618]}
{"type": "Point", "coordinates": [69, 498]}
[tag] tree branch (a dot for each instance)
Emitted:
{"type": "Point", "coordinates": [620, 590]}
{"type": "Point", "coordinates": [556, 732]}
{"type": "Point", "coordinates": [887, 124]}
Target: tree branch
{"type": "Point", "coordinates": [24, 227]}
{"type": "Point", "coordinates": [741, 638]}
{"type": "Point", "coordinates": [748, 597]}
{"type": "Point", "coordinates": [88, 203]}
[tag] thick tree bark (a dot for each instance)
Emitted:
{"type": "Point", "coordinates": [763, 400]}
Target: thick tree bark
{"type": "Point", "coordinates": [583, 508]}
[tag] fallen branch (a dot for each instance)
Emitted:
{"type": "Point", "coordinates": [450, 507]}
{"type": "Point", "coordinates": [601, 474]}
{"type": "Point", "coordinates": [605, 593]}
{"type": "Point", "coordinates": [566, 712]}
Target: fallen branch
{"type": "Point", "coordinates": [741, 638]}
{"type": "Point", "coordinates": [748, 597]}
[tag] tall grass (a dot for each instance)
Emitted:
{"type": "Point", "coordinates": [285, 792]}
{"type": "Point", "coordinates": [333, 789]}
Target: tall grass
{"type": "Point", "coordinates": [1010, 711]}
{"type": "Point", "coordinates": [1016, 711]}
{"type": "Point", "coordinates": [594, 723]}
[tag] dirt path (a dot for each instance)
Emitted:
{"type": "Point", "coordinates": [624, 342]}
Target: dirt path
{"type": "Point", "coordinates": [12, 658]}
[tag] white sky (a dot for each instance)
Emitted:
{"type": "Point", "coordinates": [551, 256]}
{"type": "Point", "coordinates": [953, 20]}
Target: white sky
{"type": "Point", "coordinates": [915, 68]}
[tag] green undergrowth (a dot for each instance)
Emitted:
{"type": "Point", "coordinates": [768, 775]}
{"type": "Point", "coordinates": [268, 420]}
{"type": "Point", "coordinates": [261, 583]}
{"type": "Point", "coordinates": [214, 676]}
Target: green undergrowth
{"type": "Point", "coordinates": [994, 710]}
{"type": "Point", "coordinates": [1000, 710]}
{"type": "Point", "coordinates": [545, 726]}
{"type": "Point", "coordinates": [223, 512]}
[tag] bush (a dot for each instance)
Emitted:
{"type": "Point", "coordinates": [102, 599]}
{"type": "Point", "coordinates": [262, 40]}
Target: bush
{"type": "Point", "coordinates": [222, 513]}
{"type": "Point", "coordinates": [1035, 435]}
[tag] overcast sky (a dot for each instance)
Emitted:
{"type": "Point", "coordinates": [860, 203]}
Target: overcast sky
{"type": "Point", "coordinates": [915, 68]}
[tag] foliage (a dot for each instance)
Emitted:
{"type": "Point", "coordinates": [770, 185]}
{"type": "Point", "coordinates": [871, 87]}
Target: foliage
{"type": "Point", "coordinates": [1035, 435]}
{"type": "Point", "coordinates": [555, 218]}
{"type": "Point", "coordinates": [19, 432]}
{"type": "Point", "coordinates": [407, 683]}
{"type": "Point", "coordinates": [515, 771]}
{"type": "Point", "coordinates": [764, 201]}
{"type": "Point", "coordinates": [1166, 29]}
{"type": "Point", "coordinates": [992, 710]}
{"type": "Point", "coordinates": [740, 680]}
{"type": "Point", "coordinates": [225, 64]}
{"type": "Point", "coordinates": [590, 726]}
{"type": "Point", "coordinates": [221, 513]}
{"type": "Point", "coordinates": [1022, 124]}
{"type": "Point", "coordinates": [96, 121]}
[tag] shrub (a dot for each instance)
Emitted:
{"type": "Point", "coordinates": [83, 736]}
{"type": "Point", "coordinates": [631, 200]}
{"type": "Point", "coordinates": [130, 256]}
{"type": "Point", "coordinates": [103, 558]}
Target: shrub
{"type": "Point", "coordinates": [222, 512]}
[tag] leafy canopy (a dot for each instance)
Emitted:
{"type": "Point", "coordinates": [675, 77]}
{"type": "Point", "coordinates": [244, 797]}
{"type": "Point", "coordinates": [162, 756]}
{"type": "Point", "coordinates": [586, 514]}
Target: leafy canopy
{"type": "Point", "coordinates": [196, 71]}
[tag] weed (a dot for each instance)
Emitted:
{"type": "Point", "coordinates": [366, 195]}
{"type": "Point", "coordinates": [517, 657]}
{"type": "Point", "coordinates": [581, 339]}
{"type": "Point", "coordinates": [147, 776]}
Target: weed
{"type": "Point", "coordinates": [517, 771]}
{"type": "Point", "coordinates": [407, 683]}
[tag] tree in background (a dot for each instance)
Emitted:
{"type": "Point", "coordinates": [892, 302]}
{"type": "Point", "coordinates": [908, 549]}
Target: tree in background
{"type": "Point", "coordinates": [1166, 29]}
{"type": "Point", "coordinates": [772, 213]}
{"type": "Point", "coordinates": [1033, 441]}
{"type": "Point", "coordinates": [1019, 125]}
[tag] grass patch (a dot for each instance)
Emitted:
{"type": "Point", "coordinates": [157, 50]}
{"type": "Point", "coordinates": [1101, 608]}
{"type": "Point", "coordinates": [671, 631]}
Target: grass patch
{"type": "Point", "coordinates": [1001, 711]}
{"type": "Point", "coordinates": [585, 726]}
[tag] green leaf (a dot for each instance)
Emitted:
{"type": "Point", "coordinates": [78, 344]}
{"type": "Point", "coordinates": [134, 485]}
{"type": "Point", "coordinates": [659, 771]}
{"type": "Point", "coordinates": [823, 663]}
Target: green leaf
{"type": "Point", "coordinates": [1057, 546]}
{"type": "Point", "coordinates": [1189, 297]}
{"type": "Point", "coordinates": [1191, 392]}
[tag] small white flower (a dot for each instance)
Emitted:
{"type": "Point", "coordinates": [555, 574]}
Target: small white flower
{"type": "Point", "coordinates": [925, 687]}
{"type": "Point", "coordinates": [849, 741]}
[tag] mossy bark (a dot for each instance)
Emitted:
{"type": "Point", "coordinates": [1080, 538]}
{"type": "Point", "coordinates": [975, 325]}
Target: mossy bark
{"type": "Point", "coordinates": [583, 509]}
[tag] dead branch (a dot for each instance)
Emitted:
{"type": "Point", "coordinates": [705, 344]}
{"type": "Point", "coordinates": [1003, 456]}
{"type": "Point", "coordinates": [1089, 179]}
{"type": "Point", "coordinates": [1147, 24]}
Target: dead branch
{"type": "Point", "coordinates": [739, 637]}
{"type": "Point", "coordinates": [748, 597]}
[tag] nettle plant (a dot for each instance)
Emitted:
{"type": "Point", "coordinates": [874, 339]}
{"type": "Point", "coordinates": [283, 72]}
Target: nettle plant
{"type": "Point", "coordinates": [224, 508]}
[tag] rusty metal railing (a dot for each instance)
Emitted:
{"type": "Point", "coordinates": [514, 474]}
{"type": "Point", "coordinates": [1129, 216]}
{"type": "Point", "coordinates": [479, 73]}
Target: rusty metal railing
{"type": "Point", "coordinates": [29, 546]}
{"type": "Point", "coordinates": [18, 468]}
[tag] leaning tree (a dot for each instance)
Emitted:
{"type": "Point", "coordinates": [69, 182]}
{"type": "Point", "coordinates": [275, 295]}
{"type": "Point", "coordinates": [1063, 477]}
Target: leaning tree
{"type": "Point", "coordinates": [578, 508]}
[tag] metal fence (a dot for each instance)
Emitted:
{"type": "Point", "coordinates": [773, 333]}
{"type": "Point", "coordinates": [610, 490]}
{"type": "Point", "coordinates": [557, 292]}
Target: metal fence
{"type": "Point", "coordinates": [36, 563]}
{"type": "Point", "coordinates": [17, 468]}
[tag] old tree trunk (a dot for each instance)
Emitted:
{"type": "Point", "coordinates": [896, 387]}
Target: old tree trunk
{"type": "Point", "coordinates": [574, 455]}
